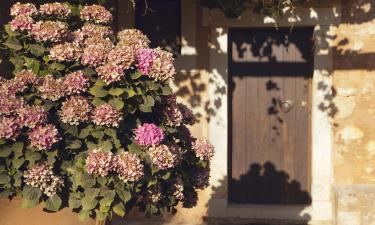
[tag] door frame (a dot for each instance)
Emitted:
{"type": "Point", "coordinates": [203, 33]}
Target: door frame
{"type": "Point", "coordinates": [321, 128]}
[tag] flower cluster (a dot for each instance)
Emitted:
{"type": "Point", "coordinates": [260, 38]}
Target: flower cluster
{"type": "Point", "coordinates": [110, 72]}
{"type": "Point", "coordinates": [31, 116]}
{"type": "Point", "coordinates": [22, 23]}
{"type": "Point", "coordinates": [75, 83]}
{"type": "Point", "coordinates": [128, 166]}
{"type": "Point", "coordinates": [96, 14]}
{"type": "Point", "coordinates": [122, 56]}
{"type": "Point", "coordinates": [99, 162]}
{"type": "Point", "coordinates": [164, 157]}
{"type": "Point", "coordinates": [148, 134]}
{"type": "Point", "coordinates": [44, 137]}
{"type": "Point", "coordinates": [95, 30]}
{"type": "Point", "coordinates": [156, 63]}
{"type": "Point", "coordinates": [203, 149]}
{"type": "Point", "coordinates": [53, 31]}
{"type": "Point", "coordinates": [94, 55]}
{"type": "Point", "coordinates": [27, 77]}
{"type": "Point", "coordinates": [9, 128]}
{"type": "Point", "coordinates": [75, 110]}
{"type": "Point", "coordinates": [106, 115]}
{"type": "Point", "coordinates": [43, 178]}
{"type": "Point", "coordinates": [27, 9]}
{"type": "Point", "coordinates": [52, 89]}
{"type": "Point", "coordinates": [133, 38]}
{"type": "Point", "coordinates": [55, 9]}
{"type": "Point", "coordinates": [66, 52]}
{"type": "Point", "coordinates": [9, 104]}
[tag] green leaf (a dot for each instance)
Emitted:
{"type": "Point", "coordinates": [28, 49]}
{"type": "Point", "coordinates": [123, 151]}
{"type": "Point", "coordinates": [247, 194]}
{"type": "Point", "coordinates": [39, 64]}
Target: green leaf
{"type": "Point", "coordinates": [97, 102]}
{"type": "Point", "coordinates": [130, 92]}
{"type": "Point", "coordinates": [89, 71]}
{"type": "Point", "coordinates": [37, 49]}
{"type": "Point", "coordinates": [9, 31]}
{"type": "Point", "coordinates": [89, 203]}
{"type": "Point", "coordinates": [4, 178]}
{"type": "Point", "coordinates": [98, 134]}
{"type": "Point", "coordinates": [166, 90]}
{"type": "Point", "coordinates": [32, 157]}
{"type": "Point", "coordinates": [56, 66]}
{"type": "Point", "coordinates": [5, 151]}
{"type": "Point", "coordinates": [53, 203]}
{"type": "Point", "coordinates": [33, 65]}
{"type": "Point", "coordinates": [105, 145]}
{"type": "Point", "coordinates": [100, 83]}
{"type": "Point", "coordinates": [13, 43]}
{"type": "Point", "coordinates": [2, 141]}
{"type": "Point", "coordinates": [117, 103]}
{"type": "Point", "coordinates": [116, 91]}
{"type": "Point", "coordinates": [76, 144]}
{"type": "Point", "coordinates": [145, 109]}
{"type": "Point", "coordinates": [124, 195]}
{"type": "Point", "coordinates": [31, 197]}
{"type": "Point", "coordinates": [84, 215]}
{"type": "Point", "coordinates": [18, 149]}
{"type": "Point", "coordinates": [148, 101]}
{"type": "Point", "coordinates": [135, 75]}
{"type": "Point", "coordinates": [85, 132]}
{"type": "Point", "coordinates": [85, 180]}
{"type": "Point", "coordinates": [74, 201]}
{"type": "Point", "coordinates": [98, 91]}
{"type": "Point", "coordinates": [119, 209]}
{"type": "Point", "coordinates": [18, 62]}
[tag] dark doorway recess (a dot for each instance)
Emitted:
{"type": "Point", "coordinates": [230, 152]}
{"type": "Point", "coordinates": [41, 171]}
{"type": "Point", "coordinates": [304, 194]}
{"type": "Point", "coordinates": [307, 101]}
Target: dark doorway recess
{"type": "Point", "coordinates": [270, 74]}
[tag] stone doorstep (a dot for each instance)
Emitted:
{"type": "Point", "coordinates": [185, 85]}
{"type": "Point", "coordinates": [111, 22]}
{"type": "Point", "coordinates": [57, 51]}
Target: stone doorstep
{"type": "Point", "coordinates": [215, 221]}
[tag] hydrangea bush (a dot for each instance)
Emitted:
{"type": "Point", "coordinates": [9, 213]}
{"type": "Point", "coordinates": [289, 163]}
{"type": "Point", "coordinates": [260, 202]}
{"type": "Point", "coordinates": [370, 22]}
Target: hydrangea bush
{"type": "Point", "coordinates": [89, 121]}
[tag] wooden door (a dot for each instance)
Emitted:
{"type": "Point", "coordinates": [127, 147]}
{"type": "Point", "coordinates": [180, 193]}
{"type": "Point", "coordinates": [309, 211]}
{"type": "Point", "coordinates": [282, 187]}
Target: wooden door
{"type": "Point", "coordinates": [269, 114]}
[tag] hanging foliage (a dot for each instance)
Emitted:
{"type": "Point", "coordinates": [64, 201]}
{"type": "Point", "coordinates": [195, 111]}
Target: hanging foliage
{"type": "Point", "coordinates": [89, 121]}
{"type": "Point", "coordinates": [234, 8]}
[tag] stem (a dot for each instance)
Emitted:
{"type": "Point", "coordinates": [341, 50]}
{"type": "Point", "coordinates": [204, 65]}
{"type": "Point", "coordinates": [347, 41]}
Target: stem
{"type": "Point", "coordinates": [100, 222]}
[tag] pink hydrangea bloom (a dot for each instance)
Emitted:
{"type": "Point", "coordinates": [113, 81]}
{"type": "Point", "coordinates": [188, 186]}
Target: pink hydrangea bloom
{"type": "Point", "coordinates": [96, 14]}
{"type": "Point", "coordinates": [203, 149]}
{"type": "Point", "coordinates": [9, 127]}
{"type": "Point", "coordinates": [99, 162]}
{"type": "Point", "coordinates": [22, 23]}
{"type": "Point", "coordinates": [177, 113]}
{"type": "Point", "coordinates": [66, 52]}
{"type": "Point", "coordinates": [156, 63]}
{"type": "Point", "coordinates": [55, 9]}
{"type": "Point", "coordinates": [75, 83]}
{"type": "Point", "coordinates": [162, 66]}
{"type": "Point", "coordinates": [95, 30]}
{"type": "Point", "coordinates": [121, 55]}
{"type": "Point", "coordinates": [43, 178]}
{"type": "Point", "coordinates": [27, 9]}
{"type": "Point", "coordinates": [31, 116]}
{"type": "Point", "coordinates": [94, 55]}
{"type": "Point", "coordinates": [110, 72]}
{"type": "Point", "coordinates": [145, 57]}
{"type": "Point", "coordinates": [165, 157]}
{"type": "Point", "coordinates": [43, 137]}
{"type": "Point", "coordinates": [52, 89]}
{"type": "Point", "coordinates": [9, 104]}
{"type": "Point", "coordinates": [133, 38]}
{"type": "Point", "coordinates": [53, 31]}
{"type": "Point", "coordinates": [105, 43]}
{"type": "Point", "coordinates": [27, 77]}
{"type": "Point", "coordinates": [106, 115]}
{"type": "Point", "coordinates": [148, 134]}
{"type": "Point", "coordinates": [129, 167]}
{"type": "Point", "coordinates": [74, 110]}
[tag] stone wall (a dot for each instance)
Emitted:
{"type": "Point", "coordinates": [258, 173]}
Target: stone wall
{"type": "Point", "coordinates": [354, 118]}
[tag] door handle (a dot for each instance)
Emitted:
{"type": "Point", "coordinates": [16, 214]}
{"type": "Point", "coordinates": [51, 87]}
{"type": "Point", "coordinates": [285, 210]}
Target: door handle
{"type": "Point", "coordinates": [286, 106]}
